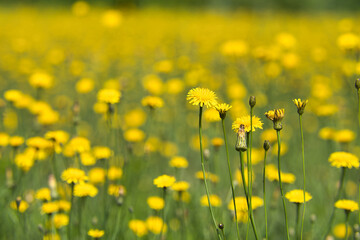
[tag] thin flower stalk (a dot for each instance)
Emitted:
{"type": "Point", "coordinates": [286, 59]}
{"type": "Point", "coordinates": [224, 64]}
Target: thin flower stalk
{"type": "Point", "coordinates": [304, 176]}
{"type": "Point", "coordinates": [357, 85]}
{"type": "Point", "coordinates": [266, 148]}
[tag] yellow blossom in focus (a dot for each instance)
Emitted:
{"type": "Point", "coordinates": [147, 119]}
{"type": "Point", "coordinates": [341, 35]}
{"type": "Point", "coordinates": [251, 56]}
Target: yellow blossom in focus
{"type": "Point", "coordinates": [245, 120]}
{"type": "Point", "coordinates": [164, 181]}
{"type": "Point", "coordinates": [201, 97]}
{"type": "Point", "coordinates": [344, 159]}
{"type": "Point", "coordinates": [73, 175]}
{"type": "Point", "coordinates": [214, 200]}
{"type": "Point", "coordinates": [347, 205]}
{"type": "Point", "coordinates": [297, 196]}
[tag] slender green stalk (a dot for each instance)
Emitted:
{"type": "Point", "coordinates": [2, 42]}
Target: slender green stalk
{"type": "Point", "coordinates": [346, 224]}
{"type": "Point", "coordinates": [264, 194]}
{"type": "Point", "coordinates": [280, 183]}
{"type": "Point", "coordinates": [297, 220]}
{"type": "Point", "coordinates": [342, 177]}
{"type": "Point", "coordinates": [247, 196]}
{"type": "Point", "coordinates": [71, 211]}
{"type": "Point", "coordinates": [358, 93]}
{"type": "Point", "coordinates": [231, 179]}
{"type": "Point", "coordinates": [163, 214]}
{"type": "Point", "coordinates": [303, 166]}
{"type": "Point", "coordinates": [249, 161]}
{"type": "Point", "coordinates": [204, 175]}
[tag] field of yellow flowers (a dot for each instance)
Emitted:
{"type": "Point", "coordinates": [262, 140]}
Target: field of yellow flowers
{"type": "Point", "coordinates": [164, 124]}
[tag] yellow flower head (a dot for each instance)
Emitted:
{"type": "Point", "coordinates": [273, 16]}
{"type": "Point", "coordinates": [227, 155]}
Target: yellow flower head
{"type": "Point", "coordinates": [96, 233]}
{"type": "Point", "coordinates": [300, 104]}
{"type": "Point", "coordinates": [214, 200]}
{"type": "Point", "coordinates": [38, 143]}
{"type": "Point", "coordinates": [23, 206]}
{"type": "Point", "coordinates": [297, 196]}
{"type": "Point", "coordinates": [87, 159]}
{"type": "Point", "coordinates": [344, 136]}
{"type": "Point", "coordinates": [134, 135]}
{"type": "Point", "coordinates": [43, 194]}
{"type": "Point", "coordinates": [178, 162]}
{"type": "Point", "coordinates": [272, 174]}
{"type": "Point", "coordinates": [73, 175]}
{"type": "Point", "coordinates": [222, 108]}
{"type": "Point", "coordinates": [41, 80]}
{"type": "Point", "coordinates": [276, 116]}
{"type": "Point", "coordinates": [344, 159]}
{"type": "Point", "coordinates": [64, 205]}
{"type": "Point", "coordinates": [156, 203]}
{"type": "Point", "coordinates": [114, 173]}
{"type": "Point", "coordinates": [49, 207]}
{"type": "Point", "coordinates": [138, 227]}
{"type": "Point", "coordinates": [340, 230]}
{"type": "Point", "coordinates": [201, 97]}
{"type": "Point", "coordinates": [84, 190]}
{"type": "Point", "coordinates": [85, 85]}
{"type": "Point", "coordinates": [347, 205]}
{"type": "Point", "coordinates": [16, 141]}
{"type": "Point", "coordinates": [245, 120]}
{"type": "Point", "coordinates": [211, 115]}
{"type": "Point", "coordinates": [80, 144]}
{"type": "Point", "coordinates": [101, 152]}
{"type": "Point", "coordinates": [60, 137]}
{"type": "Point", "coordinates": [4, 139]}
{"type": "Point", "coordinates": [217, 142]}
{"type": "Point", "coordinates": [13, 95]}
{"type": "Point", "coordinates": [155, 225]}
{"type": "Point", "coordinates": [61, 220]}
{"type": "Point", "coordinates": [152, 102]}
{"type": "Point", "coordinates": [164, 181]}
{"type": "Point", "coordinates": [327, 133]}
{"type": "Point", "coordinates": [181, 186]}
{"type": "Point", "coordinates": [241, 203]}
{"type": "Point", "coordinates": [97, 175]}
{"type": "Point", "coordinates": [110, 96]}
{"type": "Point", "coordinates": [116, 190]}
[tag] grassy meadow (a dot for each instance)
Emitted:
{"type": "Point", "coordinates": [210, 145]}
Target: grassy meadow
{"type": "Point", "coordinates": [94, 107]}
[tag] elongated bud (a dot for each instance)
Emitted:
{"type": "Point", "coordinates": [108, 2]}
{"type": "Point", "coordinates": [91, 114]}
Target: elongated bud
{"type": "Point", "coordinates": [241, 139]}
{"type": "Point", "coordinates": [357, 83]}
{"type": "Point", "coordinates": [252, 101]}
{"type": "Point", "coordinates": [266, 145]}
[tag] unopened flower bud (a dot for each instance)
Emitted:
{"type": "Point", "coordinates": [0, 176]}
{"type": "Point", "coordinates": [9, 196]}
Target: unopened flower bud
{"type": "Point", "coordinates": [357, 83]}
{"type": "Point", "coordinates": [241, 139]}
{"type": "Point", "coordinates": [252, 101]}
{"type": "Point", "coordinates": [266, 145]}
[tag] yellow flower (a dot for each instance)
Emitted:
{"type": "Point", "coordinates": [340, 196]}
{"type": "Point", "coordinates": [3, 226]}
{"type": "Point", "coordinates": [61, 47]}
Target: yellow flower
{"type": "Point", "coordinates": [100, 107]}
{"type": "Point", "coordinates": [61, 220]}
{"type": "Point", "coordinates": [73, 175]}
{"type": "Point", "coordinates": [269, 135]}
{"type": "Point", "coordinates": [348, 41]}
{"type": "Point", "coordinates": [152, 102]}
{"type": "Point", "coordinates": [38, 143]}
{"type": "Point", "coordinates": [49, 207]}
{"type": "Point", "coordinates": [114, 173]}
{"type": "Point", "coordinates": [164, 181]}
{"type": "Point", "coordinates": [245, 120]}
{"type": "Point", "coordinates": [116, 190]}
{"type": "Point", "coordinates": [112, 18]}
{"type": "Point", "coordinates": [347, 205]}
{"type": "Point", "coordinates": [201, 97]}
{"type": "Point", "coordinates": [24, 161]}
{"type": "Point", "coordinates": [241, 203]}
{"type": "Point", "coordinates": [234, 48]}
{"type": "Point", "coordinates": [41, 80]}
{"type": "Point", "coordinates": [84, 190]}
{"type": "Point", "coordinates": [134, 135]}
{"type": "Point", "coordinates": [13, 95]}
{"type": "Point", "coordinates": [155, 225]}
{"type": "Point", "coordinates": [153, 84]}
{"type": "Point", "coordinates": [101, 152]}
{"type": "Point", "coordinates": [135, 118]}
{"type": "Point", "coordinates": [181, 186]}
{"type": "Point", "coordinates": [64, 205]}
{"type": "Point", "coordinates": [16, 141]}
{"type": "Point", "coordinates": [211, 115]}
{"type": "Point", "coordinates": [156, 203]}
{"type": "Point", "coordinates": [43, 194]}
{"type": "Point", "coordinates": [87, 159]}
{"type": "Point", "coordinates": [138, 227]}
{"type": "Point", "coordinates": [344, 136]}
{"type": "Point", "coordinates": [174, 86]}
{"type": "Point", "coordinates": [23, 206]}
{"type": "Point", "coordinates": [48, 117]}
{"type": "Point", "coordinates": [276, 116]}
{"type": "Point", "coordinates": [97, 175]}
{"type": "Point", "coordinates": [4, 139]}
{"type": "Point", "coordinates": [238, 176]}
{"type": "Point", "coordinates": [214, 200]}
{"type": "Point", "coordinates": [60, 137]}
{"type": "Point", "coordinates": [222, 108]}
{"type": "Point", "coordinates": [344, 159]}
{"type": "Point", "coordinates": [236, 91]}
{"type": "Point", "coordinates": [272, 174]}
{"type": "Point", "coordinates": [110, 96]}
{"type": "Point", "coordinates": [178, 162]}
{"type": "Point", "coordinates": [85, 85]}
{"type": "Point", "coordinates": [340, 230]}
{"type": "Point", "coordinates": [217, 142]}
{"type": "Point", "coordinates": [300, 104]}
{"type": "Point", "coordinates": [327, 133]}
{"type": "Point", "coordinates": [80, 144]}
{"type": "Point", "coordinates": [96, 233]}
{"type": "Point", "coordinates": [297, 196]}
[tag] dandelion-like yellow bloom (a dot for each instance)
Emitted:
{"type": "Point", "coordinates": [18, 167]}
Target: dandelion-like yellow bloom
{"type": "Point", "coordinates": [340, 230]}
{"type": "Point", "coordinates": [61, 220]}
{"type": "Point", "coordinates": [134, 135]}
{"type": "Point", "coordinates": [181, 186]}
{"type": "Point", "coordinates": [217, 142]}
{"type": "Point", "coordinates": [156, 203]}
{"type": "Point", "coordinates": [97, 175]}
{"type": "Point", "coordinates": [4, 139]}
{"type": "Point", "coordinates": [276, 116]}
{"type": "Point", "coordinates": [80, 144]}
{"type": "Point", "coordinates": [101, 152]}
{"type": "Point", "coordinates": [60, 137]}
{"type": "Point", "coordinates": [344, 136]}
{"type": "Point", "coordinates": [327, 133]}
{"type": "Point", "coordinates": [38, 143]}
{"type": "Point", "coordinates": [16, 141]}
{"type": "Point", "coordinates": [178, 162]}
{"type": "Point", "coordinates": [85, 85]}
{"type": "Point", "coordinates": [24, 161]}
{"type": "Point", "coordinates": [111, 96]}
{"type": "Point", "coordinates": [245, 120]}
{"type": "Point", "coordinates": [344, 159]}
{"type": "Point", "coordinates": [138, 227]}
{"type": "Point", "coordinates": [43, 194]}
{"type": "Point", "coordinates": [297, 196]}
{"type": "Point", "coordinates": [41, 80]}
{"type": "Point", "coordinates": [23, 206]}
{"type": "Point", "coordinates": [152, 102]}
{"type": "Point", "coordinates": [85, 190]}
{"type": "Point", "coordinates": [64, 205]}
{"type": "Point", "coordinates": [49, 207]}
{"type": "Point", "coordinates": [164, 181]}
{"type": "Point", "coordinates": [114, 173]}
{"type": "Point", "coordinates": [215, 201]}
{"type": "Point", "coordinates": [347, 205]}
{"type": "Point", "coordinates": [300, 104]}
{"type": "Point", "coordinates": [222, 108]}
{"type": "Point", "coordinates": [201, 97]}
{"type": "Point", "coordinates": [13, 95]}
{"type": "Point", "coordinates": [116, 190]}
{"type": "Point", "coordinates": [155, 225]}
{"type": "Point", "coordinates": [241, 203]}
{"type": "Point", "coordinates": [272, 174]}
{"type": "Point", "coordinates": [86, 158]}
{"type": "Point", "coordinates": [73, 175]}
{"type": "Point", "coordinates": [96, 233]}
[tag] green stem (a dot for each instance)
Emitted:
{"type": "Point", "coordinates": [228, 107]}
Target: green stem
{"type": "Point", "coordinates": [303, 162]}
{"type": "Point", "coordinates": [346, 224]}
{"type": "Point", "coordinates": [247, 196]}
{"type": "Point", "coordinates": [280, 184]}
{"type": "Point", "coordinates": [204, 175]}
{"type": "Point", "coordinates": [71, 210]}
{"type": "Point", "coordinates": [163, 214]}
{"type": "Point", "coordinates": [264, 193]}
{"type": "Point", "coordinates": [231, 179]}
{"type": "Point", "coordinates": [358, 93]}
{"type": "Point", "coordinates": [342, 177]}
{"type": "Point", "coordinates": [297, 220]}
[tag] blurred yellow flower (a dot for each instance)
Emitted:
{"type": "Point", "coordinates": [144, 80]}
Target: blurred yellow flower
{"type": "Point", "coordinates": [85, 189]}
{"type": "Point", "coordinates": [174, 86]}
{"type": "Point", "coordinates": [80, 8]}
{"type": "Point", "coordinates": [64, 205]}
{"type": "Point", "coordinates": [41, 80]}
{"type": "Point", "coordinates": [4, 139]}
{"type": "Point", "coordinates": [156, 203]}
{"type": "Point", "coordinates": [15, 141]}
{"type": "Point", "coordinates": [152, 102]}
{"type": "Point", "coordinates": [178, 162]}
{"type": "Point", "coordinates": [61, 220]}
{"type": "Point", "coordinates": [112, 18]}
{"type": "Point", "coordinates": [214, 200]}
{"type": "Point", "coordinates": [23, 206]}
{"type": "Point", "coordinates": [339, 230]}
{"type": "Point", "coordinates": [87, 159]}
{"type": "Point", "coordinates": [348, 41]}
{"type": "Point", "coordinates": [97, 175]}
{"type": "Point", "coordinates": [101, 152]}
{"type": "Point", "coordinates": [153, 84]}
{"type": "Point", "coordinates": [155, 225]}
{"type": "Point", "coordinates": [297, 196]}
{"type": "Point", "coordinates": [327, 133]}
{"type": "Point", "coordinates": [217, 142]}
{"type": "Point", "coordinates": [344, 136]}
{"type": "Point", "coordinates": [164, 181]}
{"type": "Point", "coordinates": [135, 118]}
{"type": "Point", "coordinates": [13, 95]}
{"type": "Point", "coordinates": [49, 207]}
{"type": "Point", "coordinates": [116, 190]}
{"type": "Point", "coordinates": [85, 85]}
{"type": "Point", "coordinates": [96, 233]}
{"type": "Point", "coordinates": [134, 135]}
{"type": "Point", "coordinates": [138, 227]}
{"type": "Point", "coordinates": [234, 48]}
{"type": "Point", "coordinates": [110, 96]}
{"type": "Point", "coordinates": [43, 194]}
{"type": "Point", "coordinates": [181, 186]}
{"type": "Point", "coordinates": [272, 174]}
{"type": "Point", "coordinates": [114, 173]}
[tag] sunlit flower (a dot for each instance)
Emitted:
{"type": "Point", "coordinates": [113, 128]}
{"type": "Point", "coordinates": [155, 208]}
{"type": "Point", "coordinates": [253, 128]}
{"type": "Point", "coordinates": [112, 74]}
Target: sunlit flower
{"type": "Point", "coordinates": [49, 207]}
{"type": "Point", "coordinates": [344, 159]}
{"type": "Point", "coordinates": [245, 120]}
{"type": "Point", "coordinates": [300, 104]}
{"type": "Point", "coordinates": [152, 102]}
{"type": "Point", "coordinates": [84, 190]}
{"type": "Point", "coordinates": [297, 196]}
{"type": "Point", "coordinates": [85, 85]}
{"type": "Point", "coordinates": [138, 227]}
{"type": "Point", "coordinates": [101, 152]}
{"type": "Point", "coordinates": [344, 136]}
{"type": "Point", "coordinates": [116, 190]}
{"type": "Point", "coordinates": [181, 186]}
{"type": "Point", "coordinates": [215, 200]}
{"type": "Point", "coordinates": [111, 96]}
{"type": "Point", "coordinates": [41, 80]}
{"type": "Point", "coordinates": [16, 141]}
{"type": "Point", "coordinates": [164, 181]}
{"type": "Point", "coordinates": [114, 173]}
{"type": "Point", "coordinates": [339, 230]}
{"type": "Point", "coordinates": [43, 194]}
{"type": "Point", "coordinates": [201, 97]}
{"type": "Point", "coordinates": [134, 135]}
{"type": "Point", "coordinates": [222, 108]}
{"type": "Point", "coordinates": [96, 233]}
{"type": "Point", "coordinates": [347, 205]}
{"type": "Point", "coordinates": [23, 206]}
{"type": "Point", "coordinates": [156, 203]}
{"type": "Point", "coordinates": [73, 175]}
{"type": "Point", "coordinates": [178, 162]}
{"type": "Point", "coordinates": [64, 205]}
{"type": "Point", "coordinates": [327, 133]}
{"type": "Point", "coordinates": [272, 174]}
{"type": "Point", "coordinates": [155, 225]}
{"type": "Point", "coordinates": [97, 175]}
{"type": "Point", "coordinates": [61, 220]}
